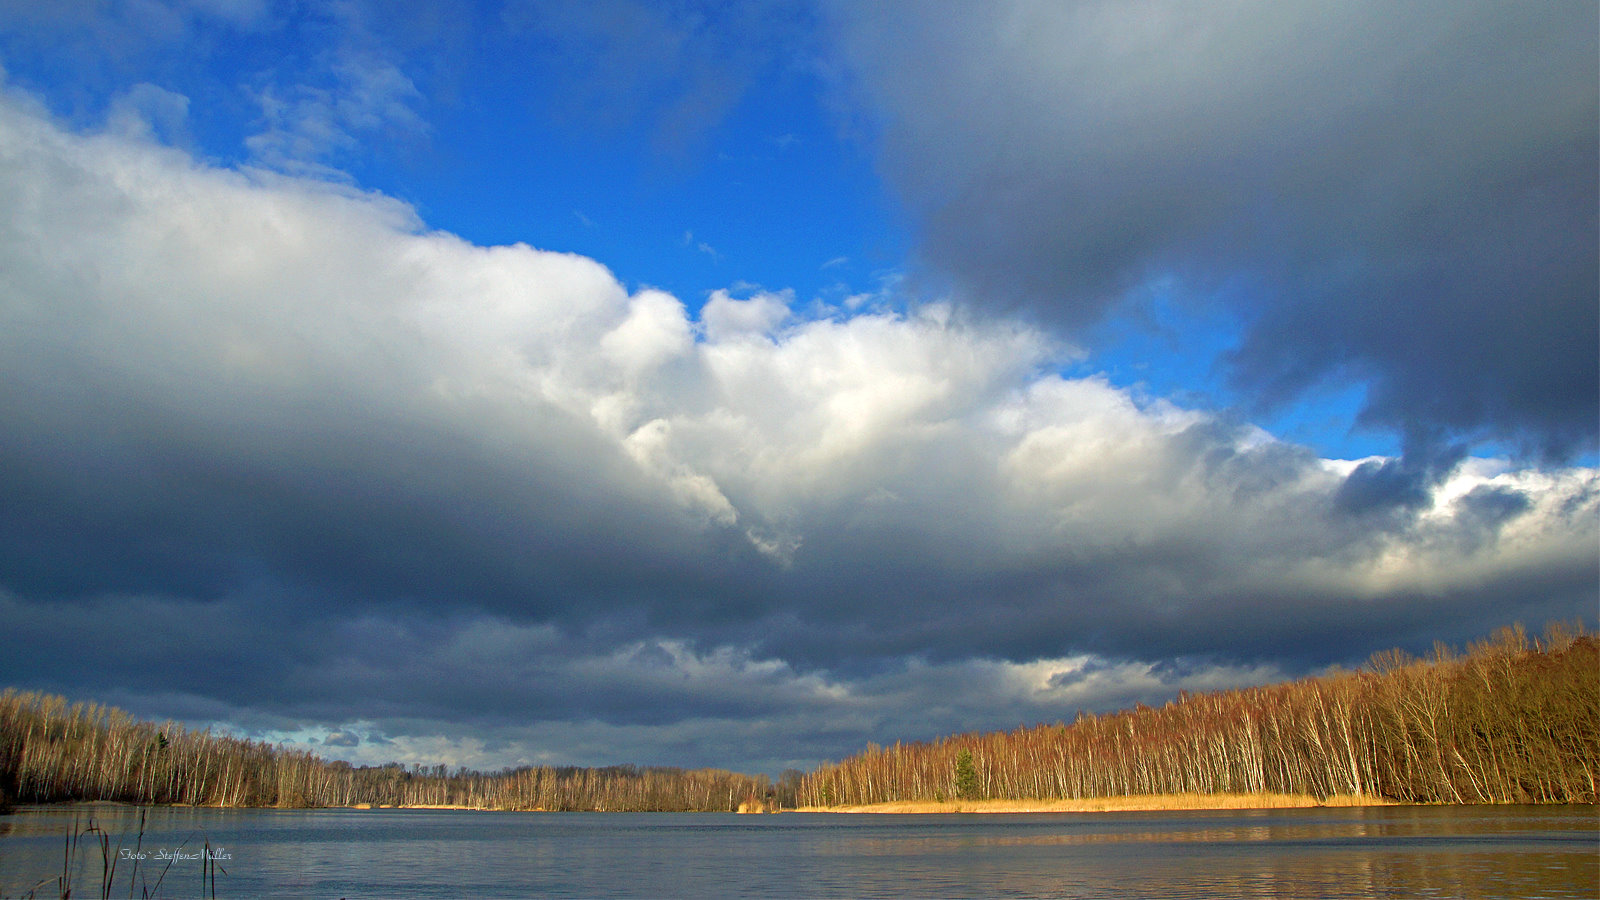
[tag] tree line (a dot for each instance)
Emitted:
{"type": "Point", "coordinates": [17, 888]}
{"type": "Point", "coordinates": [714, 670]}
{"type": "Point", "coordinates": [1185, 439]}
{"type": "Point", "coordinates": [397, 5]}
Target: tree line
{"type": "Point", "coordinates": [1511, 720]}
{"type": "Point", "coordinates": [51, 751]}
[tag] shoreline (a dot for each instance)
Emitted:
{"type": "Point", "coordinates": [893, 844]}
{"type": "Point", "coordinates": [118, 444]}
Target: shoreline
{"type": "Point", "coordinates": [1129, 803]}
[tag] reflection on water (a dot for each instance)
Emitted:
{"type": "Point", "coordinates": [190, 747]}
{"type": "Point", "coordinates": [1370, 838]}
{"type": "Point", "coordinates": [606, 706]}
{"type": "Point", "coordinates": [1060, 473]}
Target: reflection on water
{"type": "Point", "coordinates": [1465, 852]}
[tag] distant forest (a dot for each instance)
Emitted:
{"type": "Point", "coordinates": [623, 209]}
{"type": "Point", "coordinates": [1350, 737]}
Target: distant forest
{"type": "Point", "coordinates": [51, 751]}
{"type": "Point", "coordinates": [1511, 720]}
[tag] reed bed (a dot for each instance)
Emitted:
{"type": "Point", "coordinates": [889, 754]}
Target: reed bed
{"type": "Point", "coordinates": [80, 844]}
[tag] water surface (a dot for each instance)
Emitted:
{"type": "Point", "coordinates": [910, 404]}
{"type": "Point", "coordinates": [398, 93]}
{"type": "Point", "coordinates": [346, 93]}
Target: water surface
{"type": "Point", "coordinates": [1459, 852]}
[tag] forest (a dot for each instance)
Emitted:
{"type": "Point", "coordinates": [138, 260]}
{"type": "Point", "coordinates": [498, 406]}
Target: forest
{"type": "Point", "coordinates": [51, 751]}
{"type": "Point", "coordinates": [1509, 720]}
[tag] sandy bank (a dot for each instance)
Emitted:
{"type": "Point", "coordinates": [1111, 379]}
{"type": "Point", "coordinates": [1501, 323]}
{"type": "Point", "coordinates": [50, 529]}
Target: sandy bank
{"type": "Point", "coordinates": [1109, 804]}
{"type": "Point", "coordinates": [421, 806]}
{"type": "Point", "coordinates": [440, 806]}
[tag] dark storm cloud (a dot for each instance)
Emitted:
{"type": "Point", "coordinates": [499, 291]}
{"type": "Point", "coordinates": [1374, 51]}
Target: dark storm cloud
{"type": "Point", "coordinates": [1493, 507]}
{"type": "Point", "coordinates": [1402, 195]}
{"type": "Point", "coordinates": [1404, 484]}
{"type": "Point", "coordinates": [329, 500]}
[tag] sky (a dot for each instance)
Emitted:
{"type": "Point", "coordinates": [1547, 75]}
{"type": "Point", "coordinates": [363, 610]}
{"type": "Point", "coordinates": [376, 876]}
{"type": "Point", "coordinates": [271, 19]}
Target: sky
{"type": "Point", "coordinates": [515, 383]}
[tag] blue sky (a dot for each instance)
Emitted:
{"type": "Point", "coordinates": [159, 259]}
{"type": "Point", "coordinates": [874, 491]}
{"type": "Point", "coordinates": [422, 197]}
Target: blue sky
{"type": "Point", "coordinates": [733, 384]}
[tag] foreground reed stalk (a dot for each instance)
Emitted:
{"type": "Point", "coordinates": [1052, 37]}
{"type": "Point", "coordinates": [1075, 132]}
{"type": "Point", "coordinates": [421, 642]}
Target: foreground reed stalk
{"type": "Point", "coordinates": [83, 836]}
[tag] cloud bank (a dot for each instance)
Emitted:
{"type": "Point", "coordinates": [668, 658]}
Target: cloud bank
{"type": "Point", "coordinates": [279, 456]}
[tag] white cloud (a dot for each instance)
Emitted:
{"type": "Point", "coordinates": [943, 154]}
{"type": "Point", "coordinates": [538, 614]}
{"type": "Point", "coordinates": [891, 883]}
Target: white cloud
{"type": "Point", "coordinates": [655, 331]}
{"type": "Point", "coordinates": [147, 110]}
{"type": "Point", "coordinates": [648, 446]}
{"type": "Point", "coordinates": [726, 318]}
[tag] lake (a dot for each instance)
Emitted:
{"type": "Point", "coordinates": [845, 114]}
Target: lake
{"type": "Point", "coordinates": [1461, 852]}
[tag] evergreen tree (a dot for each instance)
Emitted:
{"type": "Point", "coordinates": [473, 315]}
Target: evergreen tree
{"type": "Point", "coordinates": [966, 776]}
